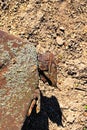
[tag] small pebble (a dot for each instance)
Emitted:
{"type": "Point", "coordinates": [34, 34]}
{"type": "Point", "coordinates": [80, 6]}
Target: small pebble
{"type": "Point", "coordinates": [62, 29]}
{"type": "Point", "coordinates": [60, 41]}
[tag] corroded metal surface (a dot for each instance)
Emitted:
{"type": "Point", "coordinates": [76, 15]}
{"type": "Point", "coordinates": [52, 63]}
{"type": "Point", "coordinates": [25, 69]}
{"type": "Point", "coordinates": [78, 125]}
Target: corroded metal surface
{"type": "Point", "coordinates": [18, 80]}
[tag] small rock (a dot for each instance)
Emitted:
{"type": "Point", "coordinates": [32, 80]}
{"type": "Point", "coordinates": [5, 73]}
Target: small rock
{"type": "Point", "coordinates": [71, 117]}
{"type": "Point", "coordinates": [60, 41]}
{"type": "Point", "coordinates": [62, 29]}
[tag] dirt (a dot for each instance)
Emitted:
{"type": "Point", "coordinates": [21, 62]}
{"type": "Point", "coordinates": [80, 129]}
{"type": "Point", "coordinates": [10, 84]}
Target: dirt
{"type": "Point", "coordinates": [59, 26]}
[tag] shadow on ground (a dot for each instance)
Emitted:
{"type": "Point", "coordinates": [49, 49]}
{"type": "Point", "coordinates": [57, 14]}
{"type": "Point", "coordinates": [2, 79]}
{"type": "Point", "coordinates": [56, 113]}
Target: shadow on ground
{"type": "Point", "coordinates": [50, 108]}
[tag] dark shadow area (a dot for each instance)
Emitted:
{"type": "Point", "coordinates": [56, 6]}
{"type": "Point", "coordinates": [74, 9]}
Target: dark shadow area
{"type": "Point", "coordinates": [52, 109]}
{"type": "Point", "coordinates": [49, 109]}
{"type": "Point", "coordinates": [36, 121]}
{"type": "Point", "coordinates": [41, 73]}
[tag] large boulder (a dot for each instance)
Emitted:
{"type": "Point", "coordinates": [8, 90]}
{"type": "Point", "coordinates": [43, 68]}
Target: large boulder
{"type": "Point", "coordinates": [18, 80]}
{"type": "Point", "coordinates": [20, 68]}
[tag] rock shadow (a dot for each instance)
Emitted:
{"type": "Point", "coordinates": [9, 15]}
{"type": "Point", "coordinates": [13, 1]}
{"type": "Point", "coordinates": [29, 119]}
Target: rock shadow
{"type": "Point", "coordinates": [50, 108]}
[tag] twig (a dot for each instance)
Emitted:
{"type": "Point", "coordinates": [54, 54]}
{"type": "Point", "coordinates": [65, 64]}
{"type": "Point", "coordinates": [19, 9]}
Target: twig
{"type": "Point", "coordinates": [80, 89]}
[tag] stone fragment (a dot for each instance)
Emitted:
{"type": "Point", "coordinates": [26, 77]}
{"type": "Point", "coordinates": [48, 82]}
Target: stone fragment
{"type": "Point", "coordinates": [71, 117]}
{"type": "Point", "coordinates": [59, 41]}
{"type": "Point", "coordinates": [47, 68]}
{"type": "Point", "coordinates": [62, 29]}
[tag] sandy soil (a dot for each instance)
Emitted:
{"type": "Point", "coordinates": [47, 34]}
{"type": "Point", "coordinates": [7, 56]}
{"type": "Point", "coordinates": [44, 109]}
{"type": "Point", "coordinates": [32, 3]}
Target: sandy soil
{"type": "Point", "coordinates": [59, 26]}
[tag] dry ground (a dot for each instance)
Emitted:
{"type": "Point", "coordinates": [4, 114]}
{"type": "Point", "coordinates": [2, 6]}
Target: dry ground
{"type": "Point", "coordinates": [59, 26]}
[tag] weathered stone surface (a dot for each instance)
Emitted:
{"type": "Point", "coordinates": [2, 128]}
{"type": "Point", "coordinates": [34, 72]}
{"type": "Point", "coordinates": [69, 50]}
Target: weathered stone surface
{"type": "Point", "coordinates": [48, 68]}
{"type": "Point", "coordinates": [18, 80]}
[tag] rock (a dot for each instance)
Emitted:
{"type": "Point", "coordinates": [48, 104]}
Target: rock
{"type": "Point", "coordinates": [59, 41]}
{"type": "Point", "coordinates": [71, 117]}
{"type": "Point", "coordinates": [18, 80]}
{"type": "Point", "coordinates": [48, 69]}
{"type": "Point", "coordinates": [62, 29]}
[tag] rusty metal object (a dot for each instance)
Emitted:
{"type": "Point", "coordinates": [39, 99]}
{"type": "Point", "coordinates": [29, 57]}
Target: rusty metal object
{"type": "Point", "coordinates": [19, 78]}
